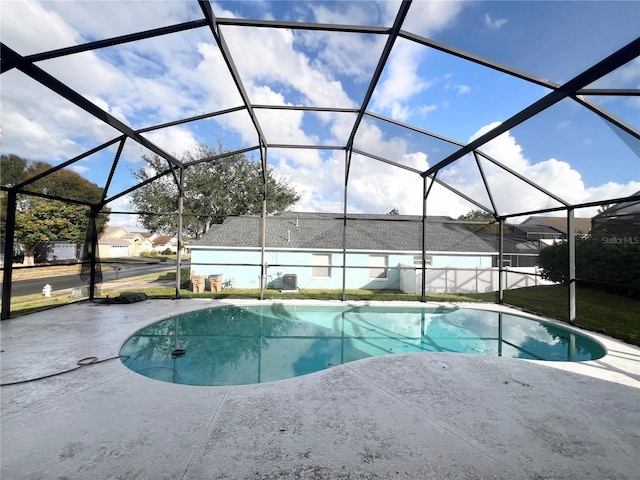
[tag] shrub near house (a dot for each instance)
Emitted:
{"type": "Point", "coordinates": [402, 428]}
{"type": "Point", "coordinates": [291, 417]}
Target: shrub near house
{"type": "Point", "coordinates": [601, 263]}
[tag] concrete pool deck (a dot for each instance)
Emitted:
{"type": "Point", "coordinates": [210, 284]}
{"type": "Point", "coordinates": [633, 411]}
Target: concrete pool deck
{"type": "Point", "coordinates": [411, 416]}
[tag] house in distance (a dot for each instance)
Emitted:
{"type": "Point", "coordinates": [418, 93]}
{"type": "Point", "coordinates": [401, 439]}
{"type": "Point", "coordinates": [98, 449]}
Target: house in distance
{"type": "Point", "coordinates": [305, 250]}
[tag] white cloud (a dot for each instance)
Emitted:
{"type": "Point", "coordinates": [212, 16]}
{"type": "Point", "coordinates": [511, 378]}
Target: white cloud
{"type": "Point", "coordinates": [358, 13]}
{"type": "Point", "coordinates": [426, 109]}
{"type": "Point", "coordinates": [294, 81]}
{"type": "Point", "coordinates": [350, 54]}
{"type": "Point", "coordinates": [462, 89]}
{"type": "Point", "coordinates": [293, 73]}
{"type": "Point", "coordinates": [494, 24]}
{"type": "Point", "coordinates": [427, 18]}
{"type": "Point", "coordinates": [176, 141]}
{"type": "Point", "coordinates": [20, 19]}
{"type": "Point", "coordinates": [123, 204]}
{"type": "Point", "coordinates": [101, 20]}
{"type": "Point", "coordinates": [80, 169]}
{"type": "Point", "coordinates": [554, 175]}
{"type": "Point", "coordinates": [401, 80]}
{"type": "Point", "coordinates": [140, 83]}
{"type": "Point", "coordinates": [371, 139]}
{"type": "Point", "coordinates": [166, 79]}
{"type": "Point", "coordinates": [39, 124]}
{"type": "Point", "coordinates": [459, 88]}
{"type": "Point", "coordinates": [376, 187]}
{"type": "Point", "coordinates": [223, 93]}
{"type": "Point", "coordinates": [611, 190]}
{"type": "Point", "coordinates": [317, 178]}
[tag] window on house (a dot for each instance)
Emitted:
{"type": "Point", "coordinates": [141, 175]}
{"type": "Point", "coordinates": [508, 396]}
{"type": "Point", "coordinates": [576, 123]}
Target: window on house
{"type": "Point", "coordinates": [378, 266]}
{"type": "Point", "coordinates": [320, 266]}
{"type": "Point", "coordinates": [417, 260]}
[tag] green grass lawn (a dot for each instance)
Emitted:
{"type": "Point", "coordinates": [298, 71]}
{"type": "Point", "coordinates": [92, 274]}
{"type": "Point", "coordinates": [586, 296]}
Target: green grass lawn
{"type": "Point", "coordinates": [36, 302]}
{"type": "Point", "coordinates": [319, 294]}
{"type": "Point", "coordinates": [608, 313]}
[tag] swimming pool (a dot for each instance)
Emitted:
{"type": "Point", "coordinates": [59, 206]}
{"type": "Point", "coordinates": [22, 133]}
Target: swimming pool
{"type": "Point", "coordinates": [235, 345]}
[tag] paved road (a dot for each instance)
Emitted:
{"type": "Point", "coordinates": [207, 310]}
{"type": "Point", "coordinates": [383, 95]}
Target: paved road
{"type": "Point", "coordinates": [27, 287]}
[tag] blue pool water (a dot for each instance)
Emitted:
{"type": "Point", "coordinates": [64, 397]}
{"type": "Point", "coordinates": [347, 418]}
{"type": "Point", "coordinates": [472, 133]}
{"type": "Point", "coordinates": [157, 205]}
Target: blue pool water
{"type": "Point", "coordinates": [252, 344]}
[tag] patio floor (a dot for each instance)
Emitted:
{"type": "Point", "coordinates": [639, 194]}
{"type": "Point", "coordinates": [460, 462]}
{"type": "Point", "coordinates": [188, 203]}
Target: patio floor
{"type": "Point", "coordinates": [422, 416]}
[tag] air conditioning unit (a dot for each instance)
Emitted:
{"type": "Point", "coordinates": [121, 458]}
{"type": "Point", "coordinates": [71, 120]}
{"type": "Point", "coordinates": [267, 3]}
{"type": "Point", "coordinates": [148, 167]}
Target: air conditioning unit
{"type": "Point", "coordinates": [289, 282]}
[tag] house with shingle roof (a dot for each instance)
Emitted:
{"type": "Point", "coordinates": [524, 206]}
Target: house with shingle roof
{"type": "Point", "coordinates": [305, 250]}
{"type": "Point", "coordinates": [551, 229]}
{"type": "Point", "coordinates": [117, 242]}
{"type": "Point", "coordinates": [620, 221]}
{"type": "Point", "coordinates": [162, 243]}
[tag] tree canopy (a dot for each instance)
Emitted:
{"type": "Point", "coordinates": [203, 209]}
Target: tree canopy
{"type": "Point", "coordinates": [39, 218]}
{"type": "Point", "coordinates": [213, 190]}
{"type": "Point", "coordinates": [13, 169]}
{"type": "Point", "coordinates": [480, 222]}
{"type": "Point", "coordinates": [477, 216]}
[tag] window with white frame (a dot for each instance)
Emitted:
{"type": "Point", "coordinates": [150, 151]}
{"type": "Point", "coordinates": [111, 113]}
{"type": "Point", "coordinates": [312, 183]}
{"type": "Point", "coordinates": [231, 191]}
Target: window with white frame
{"type": "Point", "coordinates": [417, 260]}
{"type": "Point", "coordinates": [378, 266]}
{"type": "Point", "coordinates": [320, 266]}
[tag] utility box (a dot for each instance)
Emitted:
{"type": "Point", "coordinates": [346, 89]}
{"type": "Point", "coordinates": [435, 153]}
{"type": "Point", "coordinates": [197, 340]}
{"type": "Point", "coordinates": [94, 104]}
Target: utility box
{"type": "Point", "coordinates": [289, 282]}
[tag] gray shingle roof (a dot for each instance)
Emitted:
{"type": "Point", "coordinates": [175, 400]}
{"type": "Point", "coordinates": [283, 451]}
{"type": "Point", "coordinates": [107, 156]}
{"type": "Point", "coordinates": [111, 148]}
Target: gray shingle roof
{"type": "Point", "coordinates": [324, 231]}
{"type": "Point", "coordinates": [513, 243]}
{"type": "Point", "coordinates": [557, 224]}
{"type": "Point", "coordinates": [623, 208]}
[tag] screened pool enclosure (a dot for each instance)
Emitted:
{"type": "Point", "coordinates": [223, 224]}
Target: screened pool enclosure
{"type": "Point", "coordinates": [414, 112]}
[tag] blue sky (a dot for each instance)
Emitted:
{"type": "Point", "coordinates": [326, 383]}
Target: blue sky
{"type": "Point", "coordinates": [567, 149]}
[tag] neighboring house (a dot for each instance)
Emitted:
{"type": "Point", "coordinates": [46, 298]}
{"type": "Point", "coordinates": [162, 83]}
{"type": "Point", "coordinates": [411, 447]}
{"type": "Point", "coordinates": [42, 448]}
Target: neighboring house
{"type": "Point", "coordinates": [55, 251]}
{"type": "Point", "coordinates": [161, 243]}
{"type": "Point", "coordinates": [551, 229]}
{"type": "Point", "coordinates": [117, 242]}
{"type": "Point", "coordinates": [620, 219]}
{"type": "Point", "coordinates": [304, 250]}
{"type": "Point", "coordinates": [520, 252]}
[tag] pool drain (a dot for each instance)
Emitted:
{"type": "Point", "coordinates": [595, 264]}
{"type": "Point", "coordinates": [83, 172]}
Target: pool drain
{"type": "Point", "coordinates": [178, 352]}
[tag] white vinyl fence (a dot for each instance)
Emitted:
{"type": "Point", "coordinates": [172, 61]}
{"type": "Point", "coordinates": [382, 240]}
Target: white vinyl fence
{"type": "Point", "coordinates": [466, 280]}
